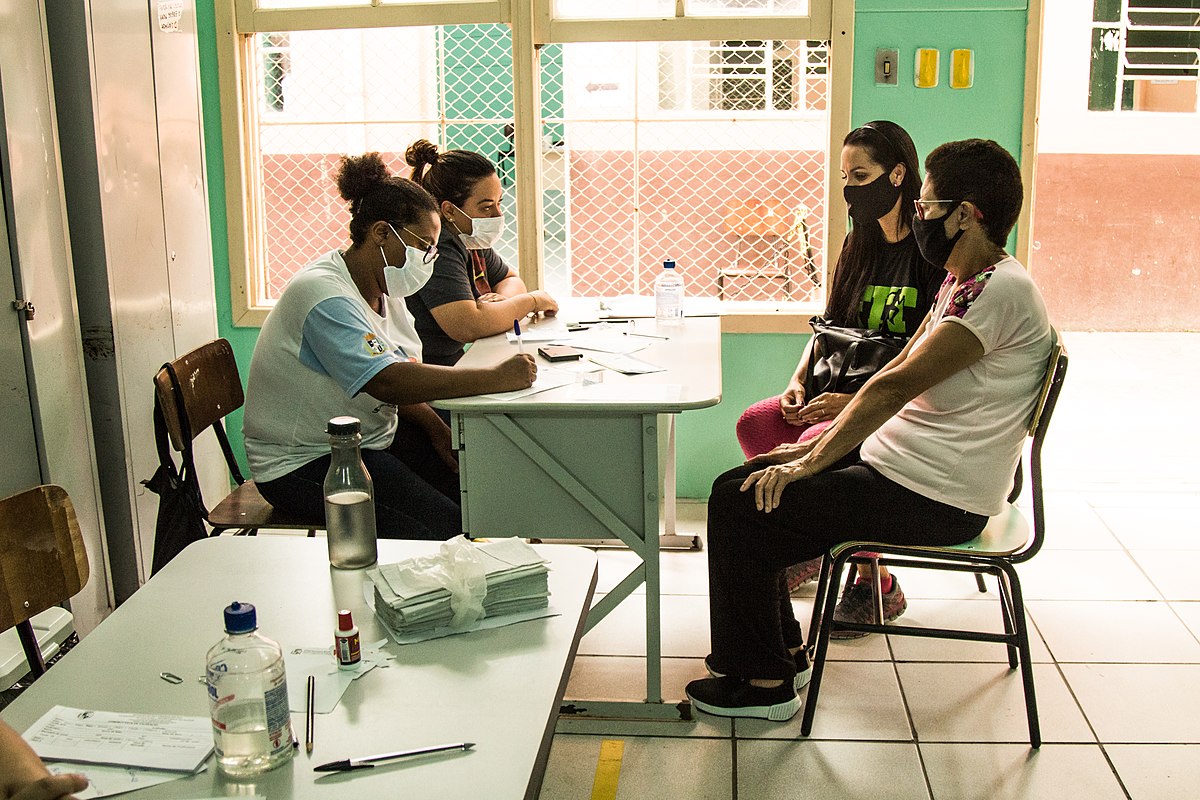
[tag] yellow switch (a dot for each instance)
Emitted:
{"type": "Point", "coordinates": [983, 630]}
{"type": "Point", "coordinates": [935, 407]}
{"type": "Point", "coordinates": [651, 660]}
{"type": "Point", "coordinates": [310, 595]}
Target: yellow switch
{"type": "Point", "coordinates": [925, 74]}
{"type": "Point", "coordinates": [962, 69]}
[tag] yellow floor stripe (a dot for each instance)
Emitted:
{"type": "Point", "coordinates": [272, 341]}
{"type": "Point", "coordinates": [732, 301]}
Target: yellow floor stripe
{"type": "Point", "coordinates": [608, 770]}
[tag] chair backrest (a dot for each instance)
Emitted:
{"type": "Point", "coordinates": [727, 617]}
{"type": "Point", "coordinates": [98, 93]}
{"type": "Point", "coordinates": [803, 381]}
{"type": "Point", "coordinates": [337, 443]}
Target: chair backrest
{"type": "Point", "coordinates": [210, 389]}
{"type": "Point", "coordinates": [755, 217]}
{"type": "Point", "coordinates": [43, 561]}
{"type": "Point", "coordinates": [1039, 422]}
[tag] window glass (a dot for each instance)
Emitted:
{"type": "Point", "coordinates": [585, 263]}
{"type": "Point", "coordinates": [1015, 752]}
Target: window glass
{"type": "Point", "coordinates": [710, 153]}
{"type": "Point", "coordinates": [613, 9]}
{"type": "Point", "coordinates": [797, 8]}
{"type": "Point", "coordinates": [324, 94]}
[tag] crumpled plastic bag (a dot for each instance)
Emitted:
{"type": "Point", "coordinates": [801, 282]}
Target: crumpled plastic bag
{"type": "Point", "coordinates": [466, 580]}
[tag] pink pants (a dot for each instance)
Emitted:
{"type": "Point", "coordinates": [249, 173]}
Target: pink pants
{"type": "Point", "coordinates": [762, 428]}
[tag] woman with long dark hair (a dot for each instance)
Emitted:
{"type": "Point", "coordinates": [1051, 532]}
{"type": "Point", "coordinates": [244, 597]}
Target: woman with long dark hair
{"type": "Point", "coordinates": [473, 293]}
{"type": "Point", "coordinates": [880, 282]}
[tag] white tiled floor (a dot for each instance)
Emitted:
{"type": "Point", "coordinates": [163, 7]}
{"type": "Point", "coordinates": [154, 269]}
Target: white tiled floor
{"type": "Point", "coordinates": [1115, 608]}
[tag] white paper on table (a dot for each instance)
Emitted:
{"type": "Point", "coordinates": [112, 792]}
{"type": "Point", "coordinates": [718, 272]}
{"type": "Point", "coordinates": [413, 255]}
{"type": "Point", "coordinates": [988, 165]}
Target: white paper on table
{"type": "Point", "coordinates": [331, 683]}
{"type": "Point", "coordinates": [151, 741]}
{"type": "Point", "coordinates": [630, 392]}
{"type": "Point", "coordinates": [627, 365]}
{"type": "Point", "coordinates": [104, 781]}
{"type": "Point", "coordinates": [547, 378]}
{"type": "Point", "coordinates": [480, 625]}
{"type": "Point", "coordinates": [608, 342]}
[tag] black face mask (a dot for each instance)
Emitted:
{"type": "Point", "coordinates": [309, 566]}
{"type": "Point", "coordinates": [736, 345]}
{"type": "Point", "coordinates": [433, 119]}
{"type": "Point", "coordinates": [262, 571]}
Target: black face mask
{"type": "Point", "coordinates": [932, 241]}
{"type": "Point", "coordinates": [871, 201]}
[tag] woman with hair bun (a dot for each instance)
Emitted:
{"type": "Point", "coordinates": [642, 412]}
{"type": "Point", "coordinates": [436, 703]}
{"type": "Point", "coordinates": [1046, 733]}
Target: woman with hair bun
{"type": "Point", "coordinates": [473, 293]}
{"type": "Point", "coordinates": [340, 341]}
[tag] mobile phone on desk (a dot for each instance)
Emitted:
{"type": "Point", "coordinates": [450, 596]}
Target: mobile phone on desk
{"type": "Point", "coordinates": [559, 352]}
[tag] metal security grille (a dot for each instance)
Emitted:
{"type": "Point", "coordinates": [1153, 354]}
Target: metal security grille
{"type": "Point", "coordinates": [1140, 47]}
{"type": "Point", "coordinates": [710, 153]}
{"type": "Point", "coordinates": [323, 94]}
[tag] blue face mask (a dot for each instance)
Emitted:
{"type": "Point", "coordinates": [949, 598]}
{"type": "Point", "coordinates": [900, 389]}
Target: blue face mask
{"type": "Point", "coordinates": [408, 279]}
{"type": "Point", "coordinates": [932, 241]}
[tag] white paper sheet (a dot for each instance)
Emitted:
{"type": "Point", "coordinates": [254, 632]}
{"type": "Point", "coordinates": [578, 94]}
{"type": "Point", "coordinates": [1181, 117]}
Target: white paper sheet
{"type": "Point", "coordinates": [483, 624]}
{"type": "Point", "coordinates": [627, 365]}
{"type": "Point", "coordinates": [548, 378]}
{"type": "Point", "coordinates": [331, 682]}
{"type": "Point", "coordinates": [106, 781]}
{"type": "Point", "coordinates": [151, 741]}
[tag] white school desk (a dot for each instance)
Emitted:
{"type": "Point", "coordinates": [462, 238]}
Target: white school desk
{"type": "Point", "coordinates": [499, 688]}
{"type": "Point", "coordinates": [570, 463]}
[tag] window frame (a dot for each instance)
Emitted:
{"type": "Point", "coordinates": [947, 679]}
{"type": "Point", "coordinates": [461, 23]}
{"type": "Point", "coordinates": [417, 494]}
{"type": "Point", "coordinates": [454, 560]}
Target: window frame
{"type": "Point", "coordinates": [533, 26]}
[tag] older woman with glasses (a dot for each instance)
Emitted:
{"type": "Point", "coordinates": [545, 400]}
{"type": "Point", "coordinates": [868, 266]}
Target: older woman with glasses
{"type": "Point", "coordinates": [340, 342]}
{"type": "Point", "coordinates": [940, 429]}
{"type": "Point", "coordinates": [473, 292]}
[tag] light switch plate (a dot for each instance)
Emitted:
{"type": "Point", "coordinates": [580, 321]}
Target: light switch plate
{"type": "Point", "coordinates": [885, 66]}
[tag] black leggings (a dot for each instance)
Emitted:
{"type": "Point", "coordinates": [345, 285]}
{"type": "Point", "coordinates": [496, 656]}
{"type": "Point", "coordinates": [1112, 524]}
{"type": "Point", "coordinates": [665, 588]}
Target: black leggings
{"type": "Point", "coordinates": [416, 493]}
{"type": "Point", "coordinates": [750, 610]}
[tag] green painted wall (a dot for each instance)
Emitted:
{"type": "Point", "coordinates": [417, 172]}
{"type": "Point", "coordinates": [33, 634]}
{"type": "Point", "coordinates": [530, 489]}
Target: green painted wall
{"type": "Point", "coordinates": [758, 365]}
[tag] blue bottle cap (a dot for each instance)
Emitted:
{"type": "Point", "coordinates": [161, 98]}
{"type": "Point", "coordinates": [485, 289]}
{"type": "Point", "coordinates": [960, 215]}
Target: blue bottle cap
{"type": "Point", "coordinates": [240, 618]}
{"type": "Point", "coordinates": [669, 264]}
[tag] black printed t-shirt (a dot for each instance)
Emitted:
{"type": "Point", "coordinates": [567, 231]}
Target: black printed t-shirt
{"type": "Point", "coordinates": [458, 274]}
{"type": "Point", "coordinates": [901, 290]}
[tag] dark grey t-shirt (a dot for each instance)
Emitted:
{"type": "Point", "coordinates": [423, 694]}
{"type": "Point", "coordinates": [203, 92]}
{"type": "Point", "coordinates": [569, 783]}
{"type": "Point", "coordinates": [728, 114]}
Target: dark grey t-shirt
{"type": "Point", "coordinates": [458, 274]}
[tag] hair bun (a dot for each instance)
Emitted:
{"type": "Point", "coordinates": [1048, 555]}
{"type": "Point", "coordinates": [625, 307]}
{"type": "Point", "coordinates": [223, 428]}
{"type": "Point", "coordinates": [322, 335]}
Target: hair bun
{"type": "Point", "coordinates": [358, 176]}
{"type": "Point", "coordinates": [422, 151]}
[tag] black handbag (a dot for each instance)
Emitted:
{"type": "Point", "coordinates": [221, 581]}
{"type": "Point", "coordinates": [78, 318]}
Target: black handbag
{"type": "Point", "coordinates": [843, 359]}
{"type": "Point", "coordinates": [181, 512]}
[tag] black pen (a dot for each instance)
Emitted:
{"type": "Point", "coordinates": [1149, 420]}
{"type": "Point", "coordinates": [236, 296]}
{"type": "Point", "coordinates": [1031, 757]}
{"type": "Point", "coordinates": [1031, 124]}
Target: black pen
{"type": "Point", "coordinates": [367, 762]}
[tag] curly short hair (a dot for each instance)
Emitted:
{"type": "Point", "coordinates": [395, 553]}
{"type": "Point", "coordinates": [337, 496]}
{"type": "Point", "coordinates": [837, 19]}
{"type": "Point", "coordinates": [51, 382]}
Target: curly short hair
{"type": "Point", "coordinates": [983, 172]}
{"type": "Point", "coordinates": [375, 194]}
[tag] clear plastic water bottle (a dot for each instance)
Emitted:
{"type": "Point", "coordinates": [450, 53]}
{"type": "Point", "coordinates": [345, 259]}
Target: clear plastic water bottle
{"type": "Point", "coordinates": [668, 296]}
{"type": "Point", "coordinates": [248, 698]}
{"type": "Point", "coordinates": [349, 499]}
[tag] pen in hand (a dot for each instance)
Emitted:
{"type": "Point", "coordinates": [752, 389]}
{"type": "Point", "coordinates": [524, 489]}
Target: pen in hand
{"type": "Point", "coordinates": [310, 708]}
{"type": "Point", "coordinates": [517, 333]}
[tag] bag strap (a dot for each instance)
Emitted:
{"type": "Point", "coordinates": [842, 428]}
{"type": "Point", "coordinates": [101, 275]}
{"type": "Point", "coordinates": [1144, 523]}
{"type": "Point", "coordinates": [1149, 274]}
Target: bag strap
{"type": "Point", "coordinates": [187, 471]}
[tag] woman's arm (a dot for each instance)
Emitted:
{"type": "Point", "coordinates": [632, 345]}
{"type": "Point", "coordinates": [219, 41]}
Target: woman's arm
{"type": "Point", "coordinates": [468, 320]}
{"type": "Point", "coordinates": [949, 349]}
{"type": "Point", "coordinates": [405, 383]}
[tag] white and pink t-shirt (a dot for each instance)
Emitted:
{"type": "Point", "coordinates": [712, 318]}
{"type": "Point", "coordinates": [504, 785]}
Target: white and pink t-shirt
{"type": "Point", "coordinates": [958, 442]}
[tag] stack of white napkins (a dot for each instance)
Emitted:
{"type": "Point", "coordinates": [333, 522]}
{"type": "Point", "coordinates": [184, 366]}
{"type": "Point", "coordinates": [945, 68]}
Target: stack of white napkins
{"type": "Point", "coordinates": [462, 584]}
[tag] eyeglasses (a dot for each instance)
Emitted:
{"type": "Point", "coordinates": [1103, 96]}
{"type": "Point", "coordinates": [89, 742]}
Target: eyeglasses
{"type": "Point", "coordinates": [923, 206]}
{"type": "Point", "coordinates": [431, 250]}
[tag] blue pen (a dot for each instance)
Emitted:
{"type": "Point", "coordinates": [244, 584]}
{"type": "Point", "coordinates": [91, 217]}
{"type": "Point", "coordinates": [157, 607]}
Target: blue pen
{"type": "Point", "coordinates": [517, 333]}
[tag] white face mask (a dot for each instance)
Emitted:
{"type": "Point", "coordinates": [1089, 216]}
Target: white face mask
{"type": "Point", "coordinates": [408, 279]}
{"type": "Point", "coordinates": [485, 232]}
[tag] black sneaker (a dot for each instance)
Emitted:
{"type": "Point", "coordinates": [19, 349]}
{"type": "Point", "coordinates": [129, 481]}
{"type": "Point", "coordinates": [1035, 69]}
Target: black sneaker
{"type": "Point", "coordinates": [735, 697]}
{"type": "Point", "coordinates": [803, 669]}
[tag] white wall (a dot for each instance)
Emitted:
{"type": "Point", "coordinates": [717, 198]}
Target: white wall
{"type": "Point", "coordinates": [1066, 125]}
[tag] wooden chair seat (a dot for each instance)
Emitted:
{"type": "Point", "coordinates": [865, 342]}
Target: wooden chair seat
{"type": "Point", "coordinates": [209, 389]}
{"type": "Point", "coordinates": [245, 508]}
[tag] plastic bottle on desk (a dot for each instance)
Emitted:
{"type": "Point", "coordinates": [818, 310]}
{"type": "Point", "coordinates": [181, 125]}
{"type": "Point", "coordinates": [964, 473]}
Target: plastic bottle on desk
{"type": "Point", "coordinates": [248, 698]}
{"type": "Point", "coordinates": [668, 296]}
{"type": "Point", "coordinates": [349, 499]}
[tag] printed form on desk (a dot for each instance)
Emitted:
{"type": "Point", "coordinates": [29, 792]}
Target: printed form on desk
{"type": "Point", "coordinates": [148, 741]}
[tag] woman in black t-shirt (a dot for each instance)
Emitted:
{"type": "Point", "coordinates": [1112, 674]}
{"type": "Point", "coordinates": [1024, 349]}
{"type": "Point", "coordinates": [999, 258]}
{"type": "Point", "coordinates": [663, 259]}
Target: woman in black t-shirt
{"type": "Point", "coordinates": [473, 293]}
{"type": "Point", "coordinates": [880, 282]}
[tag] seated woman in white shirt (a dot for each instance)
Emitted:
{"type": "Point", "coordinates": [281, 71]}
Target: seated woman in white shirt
{"type": "Point", "coordinates": [940, 429]}
{"type": "Point", "coordinates": [340, 342]}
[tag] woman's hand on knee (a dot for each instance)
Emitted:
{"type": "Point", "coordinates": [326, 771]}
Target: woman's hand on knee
{"type": "Point", "coordinates": [769, 483]}
{"type": "Point", "coordinates": [825, 406]}
{"type": "Point", "coordinates": [790, 404]}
